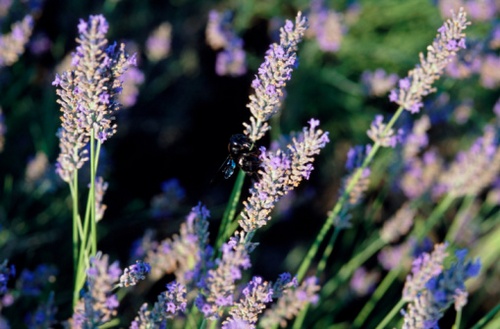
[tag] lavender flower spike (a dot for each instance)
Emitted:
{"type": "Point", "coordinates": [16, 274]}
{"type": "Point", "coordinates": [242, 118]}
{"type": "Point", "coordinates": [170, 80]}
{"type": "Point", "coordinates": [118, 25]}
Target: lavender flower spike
{"type": "Point", "coordinates": [218, 286]}
{"type": "Point", "coordinates": [88, 94]}
{"type": "Point", "coordinates": [424, 268]}
{"type": "Point", "coordinates": [12, 44]}
{"type": "Point", "coordinates": [281, 172]}
{"type": "Point", "coordinates": [134, 273]}
{"type": "Point", "coordinates": [419, 81]}
{"type": "Point", "coordinates": [169, 304]}
{"type": "Point", "coordinates": [292, 301]}
{"type": "Point", "coordinates": [253, 301]}
{"type": "Point", "coordinates": [98, 305]}
{"type": "Point", "coordinates": [440, 292]}
{"type": "Point", "coordinates": [272, 77]}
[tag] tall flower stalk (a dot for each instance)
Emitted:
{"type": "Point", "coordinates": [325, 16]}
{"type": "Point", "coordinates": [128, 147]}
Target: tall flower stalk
{"type": "Point", "coordinates": [88, 97]}
{"type": "Point", "coordinates": [449, 40]}
{"type": "Point", "coordinates": [266, 100]}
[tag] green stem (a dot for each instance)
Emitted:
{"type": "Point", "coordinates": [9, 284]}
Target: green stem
{"type": "Point", "coordinates": [458, 319]}
{"type": "Point", "coordinates": [456, 224]}
{"type": "Point", "coordinates": [93, 222]}
{"type": "Point", "coordinates": [299, 320]}
{"type": "Point", "coordinates": [354, 263]}
{"type": "Point", "coordinates": [73, 186]}
{"type": "Point", "coordinates": [391, 314]}
{"type": "Point", "coordinates": [484, 320]}
{"type": "Point", "coordinates": [230, 212]}
{"type": "Point", "coordinates": [312, 252]}
{"type": "Point", "coordinates": [327, 252]}
{"type": "Point", "coordinates": [435, 216]}
{"type": "Point", "coordinates": [375, 298]}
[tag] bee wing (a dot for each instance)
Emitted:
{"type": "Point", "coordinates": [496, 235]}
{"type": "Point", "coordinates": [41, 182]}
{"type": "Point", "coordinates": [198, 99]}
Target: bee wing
{"type": "Point", "coordinates": [226, 169]}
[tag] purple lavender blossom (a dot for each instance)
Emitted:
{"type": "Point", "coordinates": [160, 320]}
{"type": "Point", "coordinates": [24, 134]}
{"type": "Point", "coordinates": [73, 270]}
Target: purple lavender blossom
{"type": "Point", "coordinates": [399, 224]}
{"type": "Point", "coordinates": [481, 10]}
{"type": "Point", "coordinates": [169, 304]}
{"type": "Point", "coordinates": [417, 139]}
{"type": "Point", "coordinates": [218, 33]}
{"type": "Point", "coordinates": [88, 94]}
{"type": "Point", "coordinates": [218, 285]}
{"type": "Point", "coordinates": [292, 301]}
{"type": "Point", "coordinates": [467, 62]}
{"type": "Point", "coordinates": [355, 158]}
{"type": "Point", "coordinates": [44, 316]}
{"type": "Point", "coordinates": [165, 204]}
{"type": "Point", "coordinates": [489, 73]}
{"type": "Point", "coordinates": [255, 295]}
{"type": "Point", "coordinates": [134, 273]}
{"type": "Point", "coordinates": [185, 253]}
{"type": "Point", "coordinates": [418, 83]}
{"type": "Point", "coordinates": [391, 257]}
{"type": "Point", "coordinates": [474, 169]}
{"type": "Point", "coordinates": [6, 272]}
{"type": "Point", "coordinates": [273, 74]}
{"type": "Point", "coordinates": [3, 130]}
{"type": "Point", "coordinates": [231, 62]}
{"type": "Point", "coordinates": [40, 44]}
{"type": "Point", "coordinates": [379, 134]}
{"type": "Point", "coordinates": [12, 44]}
{"type": "Point", "coordinates": [421, 175]}
{"type": "Point", "coordinates": [378, 83]}
{"type": "Point", "coordinates": [495, 37]}
{"type": "Point", "coordinates": [98, 305]}
{"type": "Point", "coordinates": [4, 7]}
{"type": "Point", "coordinates": [424, 268]}
{"type": "Point", "coordinates": [132, 79]}
{"type": "Point", "coordinates": [281, 172]}
{"type": "Point", "coordinates": [32, 283]}
{"type": "Point", "coordinates": [158, 44]}
{"type": "Point", "coordinates": [440, 291]}
{"type": "Point", "coordinates": [356, 155]}
{"type": "Point", "coordinates": [326, 26]}
{"type": "Point", "coordinates": [231, 59]}
{"type": "Point", "coordinates": [363, 282]}
{"type": "Point", "coordinates": [100, 189]}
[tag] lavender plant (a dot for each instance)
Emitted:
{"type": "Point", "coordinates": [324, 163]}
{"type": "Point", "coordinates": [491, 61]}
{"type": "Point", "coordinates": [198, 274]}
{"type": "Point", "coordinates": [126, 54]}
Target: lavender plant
{"type": "Point", "coordinates": [88, 98]}
{"type": "Point", "coordinates": [396, 199]}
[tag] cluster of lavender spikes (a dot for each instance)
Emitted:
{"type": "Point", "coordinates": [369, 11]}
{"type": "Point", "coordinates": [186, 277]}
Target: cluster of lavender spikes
{"type": "Point", "coordinates": [88, 94]}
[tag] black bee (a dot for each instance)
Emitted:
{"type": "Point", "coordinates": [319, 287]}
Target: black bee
{"type": "Point", "coordinates": [241, 154]}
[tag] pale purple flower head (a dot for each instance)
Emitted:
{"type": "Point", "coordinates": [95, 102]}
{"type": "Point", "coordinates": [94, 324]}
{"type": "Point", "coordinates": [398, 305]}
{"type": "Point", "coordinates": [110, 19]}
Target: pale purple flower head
{"type": "Point", "coordinates": [418, 83]}
{"type": "Point", "coordinates": [273, 75]}
{"type": "Point", "coordinates": [439, 292]}
{"type": "Point", "coordinates": [378, 83]}
{"type": "Point", "coordinates": [134, 273]}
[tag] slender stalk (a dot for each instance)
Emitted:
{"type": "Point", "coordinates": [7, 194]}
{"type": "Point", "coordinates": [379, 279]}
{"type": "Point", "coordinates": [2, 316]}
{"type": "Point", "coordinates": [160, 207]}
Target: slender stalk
{"type": "Point", "coordinates": [93, 222]}
{"type": "Point", "coordinates": [435, 216]}
{"type": "Point", "coordinates": [485, 319]}
{"type": "Point", "coordinates": [458, 319]}
{"type": "Point", "coordinates": [312, 252]}
{"type": "Point", "coordinates": [375, 298]}
{"type": "Point", "coordinates": [230, 211]}
{"type": "Point", "coordinates": [73, 186]}
{"type": "Point", "coordinates": [327, 252]}
{"type": "Point", "coordinates": [348, 269]}
{"type": "Point", "coordinates": [455, 225]}
{"type": "Point", "coordinates": [299, 320]}
{"type": "Point", "coordinates": [383, 324]}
